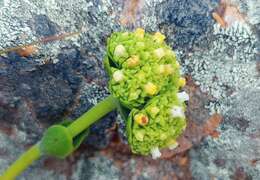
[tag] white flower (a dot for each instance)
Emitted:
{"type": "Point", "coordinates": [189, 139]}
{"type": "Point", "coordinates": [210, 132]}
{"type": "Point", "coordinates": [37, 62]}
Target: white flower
{"type": "Point", "coordinates": [120, 51]}
{"type": "Point", "coordinates": [118, 76]}
{"type": "Point", "coordinates": [177, 111]}
{"type": "Point", "coordinates": [159, 53]}
{"type": "Point", "coordinates": [173, 146]}
{"type": "Point", "coordinates": [183, 96]}
{"type": "Point", "coordinates": [155, 153]}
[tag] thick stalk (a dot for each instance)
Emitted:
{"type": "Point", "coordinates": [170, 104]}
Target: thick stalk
{"type": "Point", "coordinates": [79, 125]}
{"type": "Point", "coordinates": [22, 163]}
{"type": "Point", "coordinates": [91, 116]}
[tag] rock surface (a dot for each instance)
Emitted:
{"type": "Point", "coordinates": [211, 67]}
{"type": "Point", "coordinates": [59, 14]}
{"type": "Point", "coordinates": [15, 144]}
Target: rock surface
{"type": "Point", "coordinates": [65, 78]}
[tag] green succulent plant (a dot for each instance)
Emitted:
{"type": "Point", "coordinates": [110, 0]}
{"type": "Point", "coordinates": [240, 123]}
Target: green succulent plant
{"type": "Point", "coordinates": [144, 80]}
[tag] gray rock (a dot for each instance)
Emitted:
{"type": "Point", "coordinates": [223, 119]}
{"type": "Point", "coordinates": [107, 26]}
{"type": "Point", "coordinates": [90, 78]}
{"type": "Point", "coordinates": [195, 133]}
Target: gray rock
{"type": "Point", "coordinates": [99, 168]}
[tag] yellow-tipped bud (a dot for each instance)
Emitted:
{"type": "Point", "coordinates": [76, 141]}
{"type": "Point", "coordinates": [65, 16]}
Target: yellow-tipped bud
{"type": "Point", "coordinates": [133, 61]}
{"type": "Point", "coordinates": [173, 144]}
{"type": "Point", "coordinates": [168, 69]}
{"type": "Point", "coordinates": [182, 82]}
{"type": "Point", "coordinates": [139, 32]}
{"type": "Point", "coordinates": [150, 88]}
{"type": "Point", "coordinates": [159, 37]}
{"type": "Point", "coordinates": [141, 119]}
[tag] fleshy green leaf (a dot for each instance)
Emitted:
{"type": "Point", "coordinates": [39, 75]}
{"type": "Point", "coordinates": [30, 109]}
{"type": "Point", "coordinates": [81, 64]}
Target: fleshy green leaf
{"type": "Point", "coordinates": [57, 142]}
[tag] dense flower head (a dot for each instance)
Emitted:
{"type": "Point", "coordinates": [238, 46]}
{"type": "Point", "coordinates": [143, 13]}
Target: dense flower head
{"type": "Point", "coordinates": [145, 78]}
{"type": "Point", "coordinates": [146, 65]}
{"type": "Point", "coordinates": [158, 124]}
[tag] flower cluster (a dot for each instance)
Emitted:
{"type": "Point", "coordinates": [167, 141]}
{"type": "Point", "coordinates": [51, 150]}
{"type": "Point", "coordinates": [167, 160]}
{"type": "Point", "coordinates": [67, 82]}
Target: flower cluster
{"type": "Point", "coordinates": [158, 124]}
{"type": "Point", "coordinates": [145, 78]}
{"type": "Point", "coordinates": [141, 66]}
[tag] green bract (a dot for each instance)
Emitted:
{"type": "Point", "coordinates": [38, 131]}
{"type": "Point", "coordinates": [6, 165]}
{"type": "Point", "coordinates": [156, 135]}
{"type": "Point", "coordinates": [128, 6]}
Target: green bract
{"type": "Point", "coordinates": [58, 141]}
{"type": "Point", "coordinates": [145, 78]}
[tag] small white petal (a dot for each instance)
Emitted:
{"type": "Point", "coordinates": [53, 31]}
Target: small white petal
{"type": "Point", "coordinates": [177, 111]}
{"type": "Point", "coordinates": [118, 76]}
{"type": "Point", "coordinates": [183, 96]}
{"type": "Point", "coordinates": [155, 153]}
{"type": "Point", "coordinates": [120, 51]}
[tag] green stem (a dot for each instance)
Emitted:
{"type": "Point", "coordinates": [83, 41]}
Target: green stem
{"type": "Point", "coordinates": [91, 116]}
{"type": "Point", "coordinates": [22, 163]}
{"type": "Point", "coordinates": [79, 125]}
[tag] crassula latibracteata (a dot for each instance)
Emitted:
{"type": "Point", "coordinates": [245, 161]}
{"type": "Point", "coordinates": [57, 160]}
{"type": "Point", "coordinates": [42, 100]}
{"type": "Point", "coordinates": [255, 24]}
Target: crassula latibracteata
{"type": "Point", "coordinates": [145, 86]}
{"type": "Point", "coordinates": [145, 78]}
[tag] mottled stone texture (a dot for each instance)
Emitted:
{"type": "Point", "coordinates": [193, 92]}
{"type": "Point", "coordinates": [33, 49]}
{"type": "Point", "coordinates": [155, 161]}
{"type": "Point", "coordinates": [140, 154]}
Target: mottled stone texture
{"type": "Point", "coordinates": [65, 78]}
{"type": "Point", "coordinates": [187, 20]}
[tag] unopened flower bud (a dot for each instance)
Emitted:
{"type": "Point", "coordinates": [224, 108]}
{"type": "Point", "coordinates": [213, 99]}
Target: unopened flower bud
{"type": "Point", "coordinates": [159, 53]}
{"type": "Point", "coordinates": [141, 119]}
{"type": "Point", "coordinates": [158, 37]}
{"type": "Point", "coordinates": [120, 51]}
{"type": "Point", "coordinates": [118, 76]}
{"type": "Point", "coordinates": [133, 61]}
{"type": "Point", "coordinates": [150, 88]}
{"type": "Point", "coordinates": [139, 32]}
{"type": "Point", "coordinates": [182, 82]}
